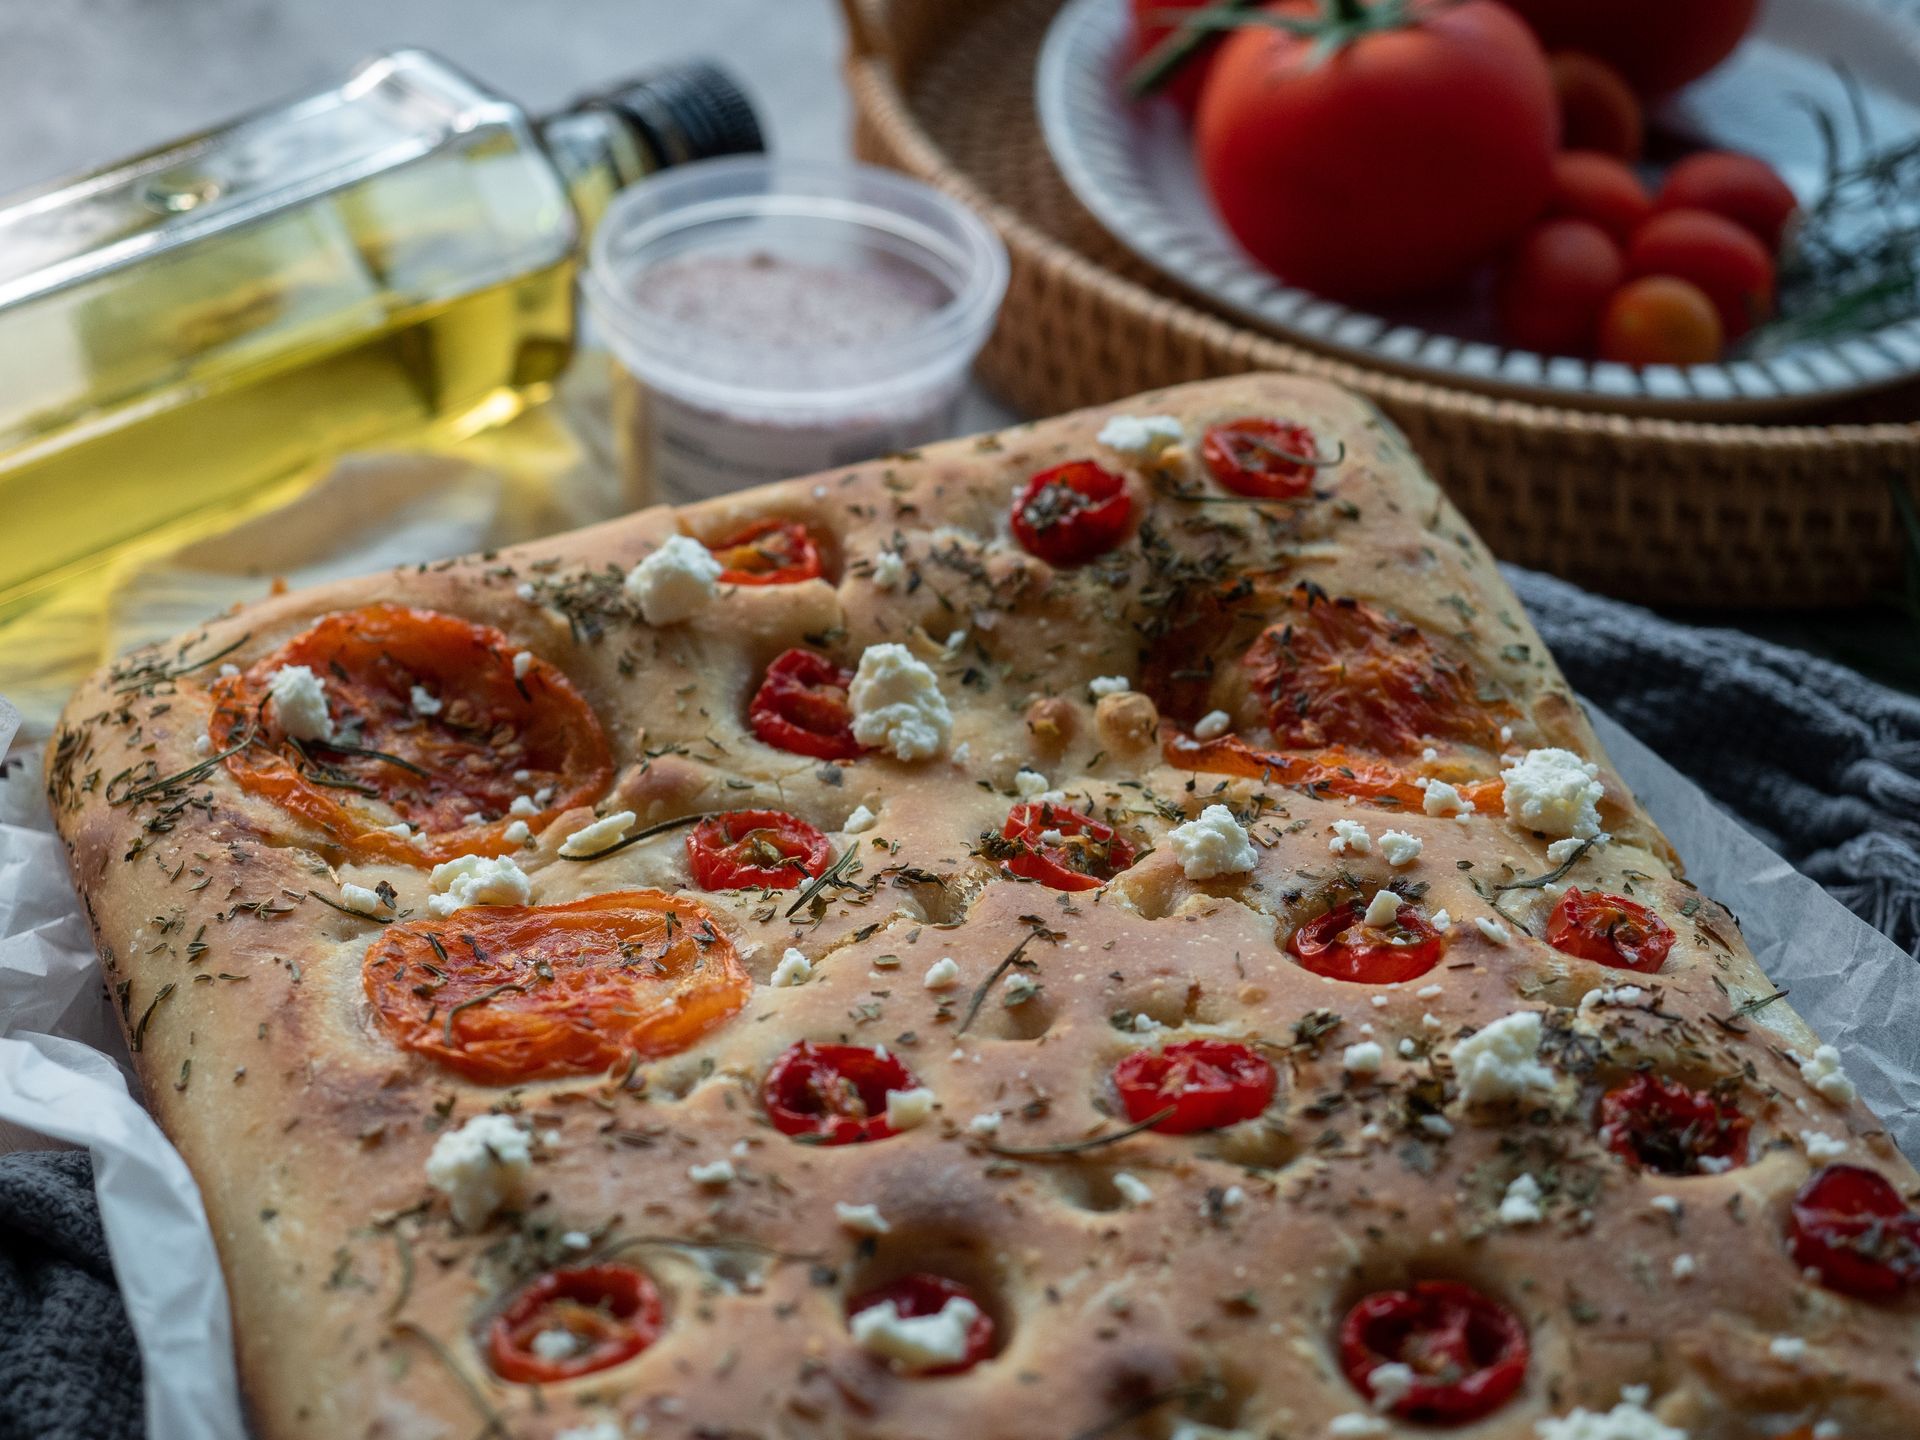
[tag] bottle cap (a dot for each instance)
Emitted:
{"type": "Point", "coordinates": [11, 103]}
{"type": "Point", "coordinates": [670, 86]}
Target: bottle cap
{"type": "Point", "coordinates": [693, 111]}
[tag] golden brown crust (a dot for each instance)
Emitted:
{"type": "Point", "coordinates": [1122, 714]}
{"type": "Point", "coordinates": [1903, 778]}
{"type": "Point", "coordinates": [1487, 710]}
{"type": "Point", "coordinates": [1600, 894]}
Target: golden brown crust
{"type": "Point", "coordinates": [356, 1296]}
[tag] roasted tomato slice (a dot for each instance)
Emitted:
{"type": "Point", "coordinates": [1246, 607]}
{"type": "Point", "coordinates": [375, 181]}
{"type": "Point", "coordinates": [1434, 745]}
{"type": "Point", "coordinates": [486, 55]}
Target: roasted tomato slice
{"type": "Point", "coordinates": [1329, 773]}
{"type": "Point", "coordinates": [745, 849]}
{"type": "Point", "coordinates": [1672, 1129]}
{"type": "Point", "coordinates": [1468, 1352]}
{"type": "Point", "coordinates": [802, 706]}
{"type": "Point", "coordinates": [1609, 930]}
{"type": "Point", "coordinates": [1209, 1083]}
{"type": "Point", "coordinates": [505, 994]}
{"type": "Point", "coordinates": [1265, 459]}
{"type": "Point", "coordinates": [431, 723]}
{"type": "Point", "coordinates": [1337, 672]}
{"type": "Point", "coordinates": [1072, 513]}
{"type": "Point", "coordinates": [1850, 1225]}
{"type": "Point", "coordinates": [768, 552]}
{"type": "Point", "coordinates": [833, 1094]}
{"type": "Point", "coordinates": [1342, 946]}
{"type": "Point", "coordinates": [574, 1321]}
{"type": "Point", "coordinates": [1061, 848]}
{"type": "Point", "coordinates": [920, 1294]}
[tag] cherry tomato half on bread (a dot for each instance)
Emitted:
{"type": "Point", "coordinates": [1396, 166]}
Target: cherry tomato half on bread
{"type": "Point", "coordinates": [768, 552]}
{"type": "Point", "coordinates": [1660, 320]}
{"type": "Point", "coordinates": [1342, 946]}
{"type": "Point", "coordinates": [1208, 1085]}
{"type": "Point", "coordinates": [604, 1314]}
{"type": "Point", "coordinates": [833, 1094]}
{"type": "Point", "coordinates": [1467, 1351]}
{"type": "Point", "coordinates": [1609, 930]}
{"type": "Point", "coordinates": [744, 849]}
{"type": "Point", "coordinates": [1598, 109]}
{"type": "Point", "coordinates": [1851, 1226]}
{"type": "Point", "coordinates": [1072, 513]}
{"type": "Point", "coordinates": [1370, 159]}
{"type": "Point", "coordinates": [1063, 849]}
{"type": "Point", "coordinates": [1658, 45]}
{"type": "Point", "coordinates": [1732, 269]}
{"type": "Point", "coordinates": [431, 722]}
{"type": "Point", "coordinates": [1555, 286]}
{"type": "Point", "coordinates": [920, 1294]}
{"type": "Point", "coordinates": [802, 706]}
{"type": "Point", "coordinates": [1672, 1129]}
{"type": "Point", "coordinates": [1743, 188]}
{"type": "Point", "coordinates": [1263, 459]}
{"type": "Point", "coordinates": [510, 993]}
{"type": "Point", "coordinates": [1601, 189]}
{"type": "Point", "coordinates": [1332, 771]}
{"type": "Point", "coordinates": [1338, 672]}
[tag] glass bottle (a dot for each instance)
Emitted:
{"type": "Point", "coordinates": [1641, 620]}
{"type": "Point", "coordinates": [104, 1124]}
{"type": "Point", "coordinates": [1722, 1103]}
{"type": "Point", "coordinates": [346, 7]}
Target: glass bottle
{"type": "Point", "coordinates": [186, 334]}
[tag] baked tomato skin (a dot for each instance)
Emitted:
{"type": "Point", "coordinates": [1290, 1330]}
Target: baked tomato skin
{"type": "Point", "coordinates": [1262, 459]}
{"type": "Point", "coordinates": [833, 1094]}
{"type": "Point", "coordinates": [1468, 1352]}
{"type": "Point", "coordinates": [1206, 1084]}
{"type": "Point", "coordinates": [392, 759]}
{"type": "Point", "coordinates": [921, 1294]}
{"type": "Point", "coordinates": [1658, 45]}
{"type": "Point", "coordinates": [1671, 1128]}
{"type": "Point", "coordinates": [610, 1312]}
{"type": "Point", "coordinates": [1390, 166]}
{"type": "Point", "coordinates": [1326, 773]}
{"type": "Point", "coordinates": [768, 552]}
{"type": "Point", "coordinates": [1072, 513]}
{"type": "Point", "coordinates": [802, 707]}
{"type": "Point", "coordinates": [1609, 930]}
{"type": "Point", "coordinates": [510, 993]}
{"type": "Point", "coordinates": [1342, 946]}
{"type": "Point", "coordinates": [1851, 1227]}
{"type": "Point", "coordinates": [756, 849]}
{"type": "Point", "coordinates": [1086, 855]}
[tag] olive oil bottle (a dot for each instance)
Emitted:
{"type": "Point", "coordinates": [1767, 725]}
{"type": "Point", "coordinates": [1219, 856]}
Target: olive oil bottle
{"type": "Point", "coordinates": [186, 336]}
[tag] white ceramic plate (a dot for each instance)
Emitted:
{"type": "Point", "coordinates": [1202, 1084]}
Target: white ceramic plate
{"type": "Point", "coordinates": [1130, 164]}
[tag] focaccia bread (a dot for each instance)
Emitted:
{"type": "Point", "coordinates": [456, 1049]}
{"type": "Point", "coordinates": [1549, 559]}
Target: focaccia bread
{"type": "Point", "coordinates": [1115, 928]}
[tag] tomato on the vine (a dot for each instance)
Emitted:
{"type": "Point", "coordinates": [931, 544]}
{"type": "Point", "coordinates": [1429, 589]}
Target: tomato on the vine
{"type": "Point", "coordinates": [1731, 268]}
{"type": "Point", "coordinates": [1555, 286]}
{"type": "Point", "coordinates": [1658, 45]}
{"type": "Point", "coordinates": [1599, 188]}
{"type": "Point", "coordinates": [1598, 109]}
{"type": "Point", "coordinates": [1660, 320]}
{"type": "Point", "coordinates": [1744, 188]}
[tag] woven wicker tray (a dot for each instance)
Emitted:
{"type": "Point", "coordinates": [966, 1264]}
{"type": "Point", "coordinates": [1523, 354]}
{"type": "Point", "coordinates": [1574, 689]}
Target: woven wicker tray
{"type": "Point", "coordinates": [1666, 512]}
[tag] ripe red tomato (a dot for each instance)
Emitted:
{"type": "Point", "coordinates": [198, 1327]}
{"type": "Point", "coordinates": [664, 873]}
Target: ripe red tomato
{"type": "Point", "coordinates": [1207, 1084]}
{"type": "Point", "coordinates": [1659, 45]}
{"type": "Point", "coordinates": [1609, 930]}
{"type": "Point", "coordinates": [1149, 29]}
{"type": "Point", "coordinates": [1071, 514]}
{"type": "Point", "coordinates": [1712, 252]}
{"type": "Point", "coordinates": [1659, 320]}
{"type": "Point", "coordinates": [1555, 286]}
{"type": "Point", "coordinates": [746, 848]}
{"type": "Point", "coordinates": [802, 706]}
{"type": "Point", "coordinates": [1745, 189]}
{"type": "Point", "coordinates": [1590, 186]}
{"type": "Point", "coordinates": [1598, 109]}
{"type": "Point", "coordinates": [1389, 166]}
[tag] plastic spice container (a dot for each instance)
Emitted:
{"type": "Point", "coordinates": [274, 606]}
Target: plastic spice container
{"type": "Point", "coordinates": [772, 318]}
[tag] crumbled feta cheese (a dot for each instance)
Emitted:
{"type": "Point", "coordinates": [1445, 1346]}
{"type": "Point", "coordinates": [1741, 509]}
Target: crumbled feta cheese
{"type": "Point", "coordinates": [1132, 1189]}
{"type": "Point", "coordinates": [229, 670]}
{"type": "Point", "coordinates": [793, 969]}
{"type": "Point", "coordinates": [1619, 995]}
{"type": "Point", "coordinates": [598, 1430]}
{"type": "Point", "coordinates": [1430, 992]}
{"type": "Point", "coordinates": [716, 1174]}
{"type": "Point", "coordinates": [1431, 1021]}
{"type": "Point", "coordinates": [1555, 792]}
{"type": "Point", "coordinates": [400, 830]}
{"type": "Point", "coordinates": [1397, 847]}
{"type": "Point", "coordinates": [300, 700]}
{"type": "Point", "coordinates": [1714, 1164]}
{"type": "Point", "coordinates": [523, 805]}
{"type": "Point", "coordinates": [522, 663]}
{"type": "Point", "coordinates": [985, 1123]}
{"type": "Point", "coordinates": [591, 839]}
{"type": "Point", "coordinates": [861, 1219]}
{"type": "Point", "coordinates": [859, 822]}
{"type": "Point", "coordinates": [907, 1109]}
{"type": "Point", "coordinates": [889, 571]}
{"type": "Point", "coordinates": [1030, 784]}
{"type": "Point", "coordinates": [942, 973]}
{"type": "Point", "coordinates": [1382, 909]}
{"type": "Point", "coordinates": [1666, 1204]}
{"type": "Point", "coordinates": [1215, 844]}
{"type": "Point", "coordinates": [518, 833]}
{"type": "Point", "coordinates": [918, 1342]}
{"type": "Point", "coordinates": [1521, 1204]}
{"type": "Point", "coordinates": [1684, 1267]}
{"type": "Point", "coordinates": [1501, 1061]}
{"type": "Point", "coordinates": [1390, 1383]}
{"type": "Point", "coordinates": [897, 704]}
{"type": "Point", "coordinates": [482, 1167]}
{"type": "Point", "coordinates": [1366, 1058]}
{"type": "Point", "coordinates": [1441, 799]}
{"type": "Point", "coordinates": [1822, 1071]}
{"type": "Point", "coordinates": [1102, 686]}
{"type": "Point", "coordinates": [1561, 851]}
{"type": "Point", "coordinates": [1629, 1420]}
{"type": "Point", "coordinates": [1144, 436]}
{"type": "Point", "coordinates": [476, 880]}
{"type": "Point", "coordinates": [1822, 1147]}
{"type": "Point", "coordinates": [525, 590]}
{"type": "Point", "coordinates": [1492, 929]}
{"type": "Point", "coordinates": [1437, 1125]}
{"type": "Point", "coordinates": [1213, 725]}
{"type": "Point", "coordinates": [1350, 836]}
{"type": "Point", "coordinates": [203, 745]}
{"type": "Point", "coordinates": [555, 1344]}
{"type": "Point", "coordinates": [1145, 1024]}
{"type": "Point", "coordinates": [361, 900]}
{"type": "Point", "coordinates": [1441, 921]}
{"type": "Point", "coordinates": [1788, 1349]}
{"type": "Point", "coordinates": [1020, 989]}
{"type": "Point", "coordinates": [675, 582]}
{"type": "Point", "coordinates": [1356, 1425]}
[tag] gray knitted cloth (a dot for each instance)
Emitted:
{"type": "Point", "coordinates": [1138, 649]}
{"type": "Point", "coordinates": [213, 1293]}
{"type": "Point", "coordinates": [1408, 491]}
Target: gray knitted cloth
{"type": "Point", "coordinates": [1822, 764]}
